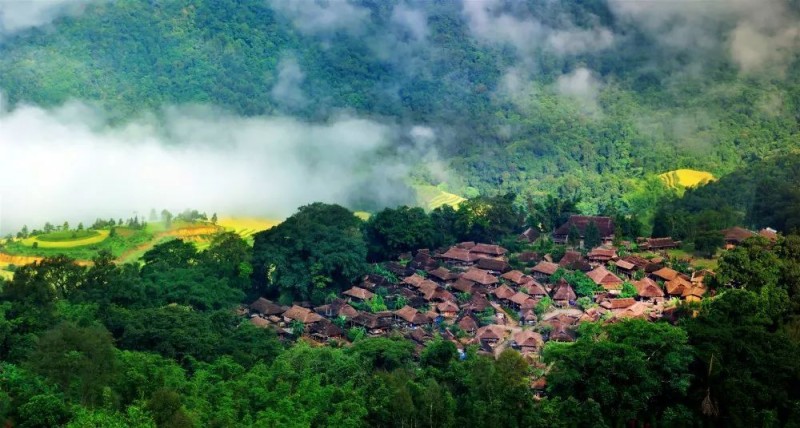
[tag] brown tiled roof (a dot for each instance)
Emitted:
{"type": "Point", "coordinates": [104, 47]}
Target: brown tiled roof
{"type": "Point", "coordinates": [648, 288]}
{"type": "Point", "coordinates": [624, 265]}
{"type": "Point", "coordinates": [604, 278]}
{"type": "Point", "coordinates": [677, 285]}
{"type": "Point", "coordinates": [459, 254]}
{"type": "Point", "coordinates": [444, 295]}
{"type": "Point", "coordinates": [514, 276]}
{"type": "Point", "coordinates": [266, 307]}
{"type": "Point", "coordinates": [413, 280]}
{"type": "Point", "coordinates": [564, 291]}
{"type": "Point", "coordinates": [442, 273]}
{"type": "Point", "coordinates": [534, 288]}
{"type": "Point", "coordinates": [447, 307]}
{"type": "Point", "coordinates": [468, 323]}
{"type": "Point", "coordinates": [503, 292]}
{"type": "Point", "coordinates": [528, 256]}
{"type": "Point", "coordinates": [304, 315]}
{"type": "Point", "coordinates": [600, 253]}
{"type": "Point", "coordinates": [478, 303]}
{"type": "Point", "coordinates": [493, 264]}
{"type": "Point", "coordinates": [463, 285]}
{"type": "Point", "coordinates": [407, 313]}
{"type": "Point", "coordinates": [530, 234]}
{"type": "Point", "coordinates": [768, 233]}
{"type": "Point", "coordinates": [737, 234]}
{"type": "Point", "coordinates": [546, 268]}
{"type": "Point", "coordinates": [529, 338]}
{"type": "Point", "coordinates": [465, 245]}
{"type": "Point", "coordinates": [480, 276]}
{"type": "Point", "coordinates": [659, 243]}
{"type": "Point", "coordinates": [618, 303]}
{"type": "Point", "coordinates": [326, 328]}
{"type": "Point", "coordinates": [604, 224]}
{"type": "Point", "coordinates": [428, 289]}
{"type": "Point", "coordinates": [359, 293]}
{"type": "Point", "coordinates": [666, 274]}
{"type": "Point", "coordinates": [519, 298]}
{"type": "Point", "coordinates": [490, 332]}
{"type": "Point", "coordinates": [528, 315]}
{"type": "Point", "coordinates": [694, 290]}
{"type": "Point", "coordinates": [569, 258]}
{"type": "Point", "coordinates": [492, 250]}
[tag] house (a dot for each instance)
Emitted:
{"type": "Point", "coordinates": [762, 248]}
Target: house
{"type": "Point", "coordinates": [571, 260]}
{"type": "Point", "coordinates": [491, 334]}
{"type": "Point", "coordinates": [530, 235]}
{"type": "Point", "coordinates": [534, 288]}
{"type": "Point", "coordinates": [544, 270]}
{"type": "Point", "coordinates": [563, 293]}
{"type": "Point", "coordinates": [604, 278]}
{"type": "Point", "coordinates": [259, 322]}
{"type": "Point", "coordinates": [514, 276]}
{"type": "Point", "coordinates": [443, 295]}
{"type": "Point", "coordinates": [641, 263]}
{"type": "Point", "coordinates": [423, 261]}
{"type": "Point", "coordinates": [658, 244]}
{"type": "Point", "coordinates": [676, 286]}
{"type": "Point", "coordinates": [465, 245]}
{"type": "Point", "coordinates": [428, 289]}
{"type": "Point", "coordinates": [359, 293]}
{"type": "Point", "coordinates": [266, 307]}
{"type": "Point", "coordinates": [736, 235]}
{"type": "Point", "coordinates": [301, 314]}
{"type": "Point", "coordinates": [337, 308]}
{"type": "Point", "coordinates": [528, 317]}
{"type": "Point", "coordinates": [602, 255]}
{"type": "Point", "coordinates": [604, 224]}
{"type": "Point", "coordinates": [694, 293]}
{"type": "Point", "coordinates": [410, 317]}
{"type": "Point", "coordinates": [647, 289]}
{"type": "Point", "coordinates": [665, 274]}
{"type": "Point", "coordinates": [371, 281]}
{"type": "Point", "coordinates": [520, 299]}
{"type": "Point", "coordinates": [459, 256]}
{"type": "Point", "coordinates": [478, 303]}
{"type": "Point", "coordinates": [486, 250]}
{"type": "Point", "coordinates": [768, 233]}
{"type": "Point", "coordinates": [493, 265]}
{"type": "Point", "coordinates": [480, 276]}
{"type": "Point", "coordinates": [617, 303]}
{"type": "Point", "coordinates": [468, 324]}
{"type": "Point", "coordinates": [528, 341]}
{"type": "Point", "coordinates": [414, 280]}
{"type": "Point", "coordinates": [528, 257]}
{"type": "Point", "coordinates": [625, 268]}
{"type": "Point", "coordinates": [503, 292]}
{"type": "Point", "coordinates": [442, 274]}
{"type": "Point", "coordinates": [447, 309]}
{"type": "Point", "coordinates": [463, 285]}
{"type": "Point", "coordinates": [325, 330]}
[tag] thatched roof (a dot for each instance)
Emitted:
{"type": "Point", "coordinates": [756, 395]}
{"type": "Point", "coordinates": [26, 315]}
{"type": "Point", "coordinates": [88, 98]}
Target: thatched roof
{"type": "Point", "coordinates": [406, 313]}
{"type": "Point", "coordinates": [480, 276]}
{"type": "Point", "coordinates": [546, 268]}
{"type": "Point", "coordinates": [564, 291]}
{"type": "Point", "coordinates": [463, 285]}
{"type": "Point", "coordinates": [529, 338]}
{"type": "Point", "coordinates": [493, 264]}
{"type": "Point", "coordinates": [459, 254]}
{"type": "Point", "coordinates": [514, 276]}
{"type": "Point", "coordinates": [467, 323]}
{"type": "Point", "coordinates": [359, 293]}
{"type": "Point", "coordinates": [266, 307]}
{"type": "Point", "coordinates": [304, 315]}
{"type": "Point", "coordinates": [666, 274]}
{"type": "Point", "coordinates": [492, 250]}
{"type": "Point", "coordinates": [503, 292]}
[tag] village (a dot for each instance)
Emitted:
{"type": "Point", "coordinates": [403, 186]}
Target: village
{"type": "Point", "coordinates": [477, 294]}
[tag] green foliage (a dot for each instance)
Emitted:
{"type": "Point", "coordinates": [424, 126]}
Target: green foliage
{"type": "Point", "coordinates": [751, 265]}
{"type": "Point", "coordinates": [592, 238]}
{"type": "Point", "coordinates": [628, 290]}
{"type": "Point", "coordinates": [392, 232]}
{"type": "Point", "coordinates": [320, 247]}
{"type": "Point", "coordinates": [544, 305]}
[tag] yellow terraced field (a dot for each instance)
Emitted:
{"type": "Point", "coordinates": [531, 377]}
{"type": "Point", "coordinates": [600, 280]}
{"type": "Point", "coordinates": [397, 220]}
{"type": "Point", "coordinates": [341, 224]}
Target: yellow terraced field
{"type": "Point", "coordinates": [431, 197]}
{"type": "Point", "coordinates": [686, 178]}
{"type": "Point", "coordinates": [247, 226]}
{"type": "Point", "coordinates": [4, 274]}
{"type": "Point", "coordinates": [102, 235]}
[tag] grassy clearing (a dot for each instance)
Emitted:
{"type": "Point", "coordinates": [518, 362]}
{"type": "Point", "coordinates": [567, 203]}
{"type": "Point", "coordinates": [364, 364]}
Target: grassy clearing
{"type": "Point", "coordinates": [67, 235]}
{"type": "Point", "coordinates": [432, 197]}
{"type": "Point", "coordinates": [696, 261]}
{"type": "Point", "coordinates": [60, 240]}
{"type": "Point", "coordinates": [80, 249]}
{"type": "Point", "coordinates": [6, 275]}
{"type": "Point", "coordinates": [684, 178]}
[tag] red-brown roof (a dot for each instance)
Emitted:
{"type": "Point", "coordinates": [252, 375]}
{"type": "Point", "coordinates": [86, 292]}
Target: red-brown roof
{"type": "Point", "coordinates": [468, 323]}
{"type": "Point", "coordinates": [534, 288]}
{"type": "Point", "coordinates": [492, 250]}
{"type": "Point", "coordinates": [546, 268]}
{"type": "Point", "coordinates": [304, 315]}
{"type": "Point", "coordinates": [493, 264]}
{"type": "Point", "coordinates": [600, 253]}
{"type": "Point", "coordinates": [528, 338]}
{"type": "Point", "coordinates": [604, 278]}
{"type": "Point", "coordinates": [266, 307]}
{"type": "Point", "coordinates": [503, 292]}
{"type": "Point", "coordinates": [569, 258]}
{"type": "Point", "coordinates": [659, 243]}
{"type": "Point", "coordinates": [514, 276]}
{"type": "Point", "coordinates": [768, 233]}
{"type": "Point", "coordinates": [491, 332]}
{"type": "Point", "coordinates": [480, 276]}
{"type": "Point", "coordinates": [459, 254]}
{"type": "Point", "coordinates": [519, 298]}
{"type": "Point", "coordinates": [666, 274]}
{"type": "Point", "coordinates": [413, 280]}
{"type": "Point", "coordinates": [259, 322]}
{"type": "Point", "coordinates": [737, 234]}
{"type": "Point", "coordinates": [359, 293]}
{"type": "Point", "coordinates": [442, 273]}
{"type": "Point", "coordinates": [446, 307]}
{"type": "Point", "coordinates": [648, 288]}
{"type": "Point", "coordinates": [407, 313]}
{"type": "Point", "coordinates": [624, 265]}
{"type": "Point", "coordinates": [618, 303]}
{"type": "Point", "coordinates": [463, 285]}
{"type": "Point", "coordinates": [677, 286]}
{"type": "Point", "coordinates": [564, 291]}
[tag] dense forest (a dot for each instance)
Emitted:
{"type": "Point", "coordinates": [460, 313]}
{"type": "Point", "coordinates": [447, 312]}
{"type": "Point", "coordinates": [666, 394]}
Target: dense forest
{"type": "Point", "coordinates": [599, 97]}
{"type": "Point", "coordinates": [160, 344]}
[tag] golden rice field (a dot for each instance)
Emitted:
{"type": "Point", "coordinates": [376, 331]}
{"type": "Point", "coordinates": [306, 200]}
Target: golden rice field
{"type": "Point", "coordinates": [431, 197]}
{"type": "Point", "coordinates": [685, 178]}
{"type": "Point", "coordinates": [100, 237]}
{"type": "Point", "coordinates": [4, 274]}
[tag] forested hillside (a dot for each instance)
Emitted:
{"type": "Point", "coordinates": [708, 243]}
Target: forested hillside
{"type": "Point", "coordinates": [578, 99]}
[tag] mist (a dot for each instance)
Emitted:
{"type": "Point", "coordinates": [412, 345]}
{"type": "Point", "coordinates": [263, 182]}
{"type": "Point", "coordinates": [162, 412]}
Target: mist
{"type": "Point", "coordinates": [70, 164]}
{"type": "Point", "coordinates": [19, 15]}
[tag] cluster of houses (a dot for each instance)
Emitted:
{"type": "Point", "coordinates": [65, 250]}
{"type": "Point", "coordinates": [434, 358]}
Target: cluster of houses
{"type": "Point", "coordinates": [470, 294]}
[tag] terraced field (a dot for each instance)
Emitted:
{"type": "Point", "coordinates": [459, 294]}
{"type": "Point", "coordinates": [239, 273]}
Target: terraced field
{"type": "Point", "coordinates": [42, 242]}
{"type": "Point", "coordinates": [431, 197]}
{"type": "Point", "coordinates": [246, 227]}
{"type": "Point", "coordinates": [684, 178]}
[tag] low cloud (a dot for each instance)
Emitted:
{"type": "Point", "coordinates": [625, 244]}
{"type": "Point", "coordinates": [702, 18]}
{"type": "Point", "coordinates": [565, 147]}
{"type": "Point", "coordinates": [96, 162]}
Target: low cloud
{"type": "Point", "coordinates": [69, 164]}
{"type": "Point", "coordinates": [582, 86]}
{"type": "Point", "coordinates": [323, 16]}
{"type": "Point", "coordinates": [19, 15]}
{"type": "Point", "coordinates": [490, 21]}
{"type": "Point", "coordinates": [287, 89]}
